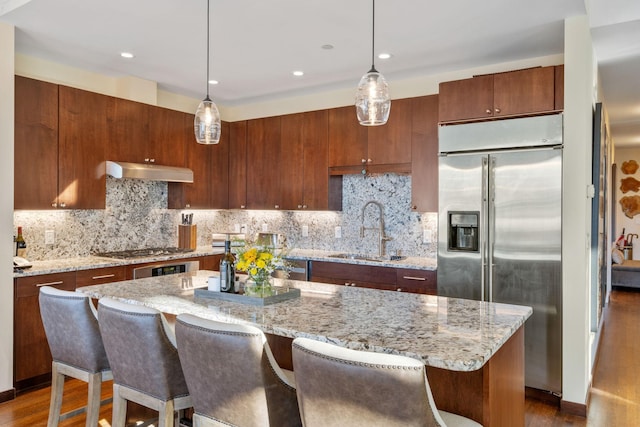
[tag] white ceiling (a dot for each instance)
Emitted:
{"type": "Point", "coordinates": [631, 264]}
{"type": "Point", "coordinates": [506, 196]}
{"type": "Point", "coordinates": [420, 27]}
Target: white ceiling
{"type": "Point", "coordinates": [256, 44]}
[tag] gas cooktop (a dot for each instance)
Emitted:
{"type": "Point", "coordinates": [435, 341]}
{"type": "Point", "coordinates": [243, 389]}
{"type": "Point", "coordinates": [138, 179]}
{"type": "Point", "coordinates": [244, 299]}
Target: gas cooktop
{"type": "Point", "coordinates": [142, 253]}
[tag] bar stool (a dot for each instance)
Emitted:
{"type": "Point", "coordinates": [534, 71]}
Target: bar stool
{"type": "Point", "coordinates": [342, 387]}
{"type": "Point", "coordinates": [144, 359]}
{"type": "Point", "coordinates": [232, 375]}
{"type": "Point", "coordinates": [71, 325]}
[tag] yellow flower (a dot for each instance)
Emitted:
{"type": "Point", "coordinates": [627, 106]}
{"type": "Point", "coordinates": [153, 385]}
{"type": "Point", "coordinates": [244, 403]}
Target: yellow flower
{"type": "Point", "coordinates": [260, 263]}
{"type": "Point", "coordinates": [266, 256]}
{"type": "Point", "coordinates": [253, 271]}
{"type": "Point", "coordinates": [251, 255]}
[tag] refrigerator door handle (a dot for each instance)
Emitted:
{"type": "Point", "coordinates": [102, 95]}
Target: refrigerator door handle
{"type": "Point", "coordinates": [491, 223]}
{"type": "Point", "coordinates": [482, 228]}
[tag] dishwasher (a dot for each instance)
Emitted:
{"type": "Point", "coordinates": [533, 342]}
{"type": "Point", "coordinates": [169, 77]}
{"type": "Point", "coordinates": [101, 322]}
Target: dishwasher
{"type": "Point", "coordinates": [298, 269]}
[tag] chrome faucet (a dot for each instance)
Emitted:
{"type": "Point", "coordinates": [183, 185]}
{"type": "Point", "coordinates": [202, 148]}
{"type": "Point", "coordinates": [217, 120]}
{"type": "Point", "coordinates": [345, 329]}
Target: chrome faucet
{"type": "Point", "coordinates": [381, 236]}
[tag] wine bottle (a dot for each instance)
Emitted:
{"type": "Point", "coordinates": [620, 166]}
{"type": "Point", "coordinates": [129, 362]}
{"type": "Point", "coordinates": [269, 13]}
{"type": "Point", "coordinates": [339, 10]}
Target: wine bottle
{"type": "Point", "coordinates": [227, 269]}
{"type": "Point", "coordinates": [21, 244]}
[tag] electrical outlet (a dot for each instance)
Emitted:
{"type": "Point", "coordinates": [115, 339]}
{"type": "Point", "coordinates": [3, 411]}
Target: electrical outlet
{"type": "Point", "coordinates": [49, 237]}
{"type": "Point", "coordinates": [426, 236]}
{"type": "Point", "coordinates": [244, 228]}
{"type": "Point", "coordinates": [236, 228]}
{"type": "Point", "coordinates": [265, 227]}
{"type": "Point", "coordinates": [305, 231]}
{"type": "Point", "coordinates": [338, 232]}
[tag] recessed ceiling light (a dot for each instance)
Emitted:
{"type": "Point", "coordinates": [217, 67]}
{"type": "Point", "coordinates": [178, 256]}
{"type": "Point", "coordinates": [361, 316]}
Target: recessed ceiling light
{"type": "Point", "coordinates": [298, 73]}
{"type": "Point", "coordinates": [327, 46]}
{"type": "Point", "coordinates": [213, 82]}
{"type": "Point", "coordinates": [384, 56]}
{"type": "Point", "coordinates": [127, 55]}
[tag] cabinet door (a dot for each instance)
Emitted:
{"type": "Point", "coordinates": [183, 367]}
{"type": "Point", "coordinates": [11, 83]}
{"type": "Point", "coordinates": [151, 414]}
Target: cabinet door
{"type": "Point", "coordinates": [292, 155]}
{"type": "Point", "coordinates": [347, 140]}
{"type": "Point", "coordinates": [83, 137]}
{"type": "Point", "coordinates": [35, 144]}
{"type": "Point", "coordinates": [238, 165]}
{"type": "Point", "coordinates": [264, 165]}
{"type": "Point", "coordinates": [466, 99]}
{"type": "Point", "coordinates": [219, 184]}
{"type": "Point", "coordinates": [559, 87]}
{"type": "Point", "coordinates": [524, 91]}
{"type": "Point", "coordinates": [416, 281]}
{"type": "Point", "coordinates": [391, 143]}
{"type": "Point", "coordinates": [316, 192]}
{"type": "Point", "coordinates": [32, 358]}
{"type": "Point", "coordinates": [424, 149]}
{"type": "Point", "coordinates": [169, 133]}
{"type": "Point", "coordinates": [128, 131]}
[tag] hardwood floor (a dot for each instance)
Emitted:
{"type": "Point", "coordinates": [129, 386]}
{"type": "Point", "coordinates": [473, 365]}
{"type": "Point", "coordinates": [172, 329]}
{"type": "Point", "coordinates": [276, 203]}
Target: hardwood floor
{"type": "Point", "coordinates": [615, 393]}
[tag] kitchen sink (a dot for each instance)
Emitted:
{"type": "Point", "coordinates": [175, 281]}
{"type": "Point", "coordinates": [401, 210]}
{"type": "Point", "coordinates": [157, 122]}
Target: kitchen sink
{"type": "Point", "coordinates": [362, 257]}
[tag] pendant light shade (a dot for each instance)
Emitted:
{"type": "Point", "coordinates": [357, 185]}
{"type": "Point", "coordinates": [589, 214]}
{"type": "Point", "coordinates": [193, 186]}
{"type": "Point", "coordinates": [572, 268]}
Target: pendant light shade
{"type": "Point", "coordinates": [206, 124]}
{"type": "Point", "coordinates": [373, 102]}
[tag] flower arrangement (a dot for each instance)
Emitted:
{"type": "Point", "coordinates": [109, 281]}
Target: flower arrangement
{"type": "Point", "coordinates": [259, 262]}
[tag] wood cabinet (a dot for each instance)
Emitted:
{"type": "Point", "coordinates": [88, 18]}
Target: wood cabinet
{"type": "Point", "coordinates": [376, 277]}
{"type": "Point", "coordinates": [210, 262]}
{"type": "Point", "coordinates": [36, 144]}
{"type": "Point", "coordinates": [509, 94]}
{"type": "Point", "coordinates": [82, 138]}
{"type": "Point", "coordinates": [264, 163]}
{"type": "Point", "coordinates": [424, 150]}
{"type": "Point", "coordinates": [376, 149]}
{"type": "Point", "coordinates": [559, 87]}
{"type": "Point", "coordinates": [32, 358]}
{"type": "Point", "coordinates": [238, 165]}
{"type": "Point", "coordinates": [143, 133]}
{"type": "Point", "coordinates": [210, 165]}
{"type": "Point", "coordinates": [98, 276]}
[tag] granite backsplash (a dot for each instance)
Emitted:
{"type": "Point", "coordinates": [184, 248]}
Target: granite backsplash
{"type": "Point", "coordinates": [136, 216]}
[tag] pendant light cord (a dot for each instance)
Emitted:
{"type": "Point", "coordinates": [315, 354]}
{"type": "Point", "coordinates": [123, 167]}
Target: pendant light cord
{"type": "Point", "coordinates": [208, 5]}
{"type": "Point", "coordinates": [373, 37]}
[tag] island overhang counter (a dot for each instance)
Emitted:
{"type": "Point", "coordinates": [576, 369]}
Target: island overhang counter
{"type": "Point", "coordinates": [473, 350]}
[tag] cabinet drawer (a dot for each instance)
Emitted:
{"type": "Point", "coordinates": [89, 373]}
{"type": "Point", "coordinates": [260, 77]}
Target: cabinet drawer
{"type": "Point", "coordinates": [30, 286]}
{"type": "Point", "coordinates": [418, 281]}
{"type": "Point", "coordinates": [98, 276]}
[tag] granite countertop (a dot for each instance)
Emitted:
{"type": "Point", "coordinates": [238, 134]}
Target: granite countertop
{"type": "Point", "coordinates": [447, 333]}
{"type": "Point", "coordinates": [86, 263]}
{"type": "Point", "coordinates": [89, 262]}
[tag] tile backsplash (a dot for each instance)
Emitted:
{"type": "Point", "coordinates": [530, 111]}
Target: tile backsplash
{"type": "Point", "coordinates": [136, 216]}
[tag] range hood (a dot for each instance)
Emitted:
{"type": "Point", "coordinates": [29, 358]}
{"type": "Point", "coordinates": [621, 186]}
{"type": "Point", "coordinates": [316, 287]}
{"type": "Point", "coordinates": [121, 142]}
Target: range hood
{"type": "Point", "coordinates": [148, 171]}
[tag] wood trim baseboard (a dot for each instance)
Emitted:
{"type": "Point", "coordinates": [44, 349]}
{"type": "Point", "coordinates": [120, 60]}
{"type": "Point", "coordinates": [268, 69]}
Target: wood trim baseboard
{"type": "Point", "coordinates": [7, 395]}
{"type": "Point", "coordinates": [573, 408]}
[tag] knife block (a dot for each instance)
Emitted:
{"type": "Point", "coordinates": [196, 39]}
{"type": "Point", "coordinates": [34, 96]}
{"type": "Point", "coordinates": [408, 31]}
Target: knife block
{"type": "Point", "coordinates": [187, 236]}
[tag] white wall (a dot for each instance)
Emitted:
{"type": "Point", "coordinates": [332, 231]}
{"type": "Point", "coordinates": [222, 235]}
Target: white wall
{"type": "Point", "coordinates": [579, 94]}
{"type": "Point", "coordinates": [6, 205]}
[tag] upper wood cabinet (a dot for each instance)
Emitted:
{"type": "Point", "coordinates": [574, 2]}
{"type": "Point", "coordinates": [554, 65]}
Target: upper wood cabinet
{"type": "Point", "coordinates": [210, 165]}
{"type": "Point", "coordinates": [35, 181]}
{"type": "Point", "coordinates": [82, 138]}
{"type": "Point", "coordinates": [264, 163]}
{"type": "Point", "coordinates": [354, 148]}
{"type": "Point", "coordinates": [513, 93]}
{"type": "Point", "coordinates": [238, 165]}
{"type": "Point", "coordinates": [306, 182]}
{"type": "Point", "coordinates": [424, 150]}
{"type": "Point", "coordinates": [142, 133]}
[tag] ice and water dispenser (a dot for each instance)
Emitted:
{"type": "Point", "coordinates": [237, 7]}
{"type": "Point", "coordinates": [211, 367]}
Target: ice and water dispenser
{"type": "Point", "coordinates": [463, 231]}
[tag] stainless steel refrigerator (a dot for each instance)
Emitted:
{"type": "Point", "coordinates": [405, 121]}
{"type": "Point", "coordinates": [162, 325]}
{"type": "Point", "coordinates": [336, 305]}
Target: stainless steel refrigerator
{"type": "Point", "coordinates": [499, 227]}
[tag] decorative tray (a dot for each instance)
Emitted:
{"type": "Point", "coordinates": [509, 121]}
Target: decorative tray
{"type": "Point", "coordinates": [279, 294]}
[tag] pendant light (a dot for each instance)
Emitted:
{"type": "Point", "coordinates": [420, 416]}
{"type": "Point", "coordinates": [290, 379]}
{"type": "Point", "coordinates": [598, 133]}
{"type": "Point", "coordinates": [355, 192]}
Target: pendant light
{"type": "Point", "coordinates": [372, 96]}
{"type": "Point", "coordinates": [206, 124]}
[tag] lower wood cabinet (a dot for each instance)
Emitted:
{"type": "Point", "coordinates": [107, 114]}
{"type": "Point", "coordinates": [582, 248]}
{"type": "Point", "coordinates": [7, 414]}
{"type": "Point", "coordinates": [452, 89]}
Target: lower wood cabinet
{"type": "Point", "coordinates": [31, 355]}
{"type": "Point", "coordinates": [98, 276]}
{"type": "Point", "coordinates": [375, 277]}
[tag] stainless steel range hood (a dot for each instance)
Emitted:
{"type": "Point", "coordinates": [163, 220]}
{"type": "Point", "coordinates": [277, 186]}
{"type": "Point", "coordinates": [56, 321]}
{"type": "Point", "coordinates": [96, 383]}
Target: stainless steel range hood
{"type": "Point", "coordinates": [150, 172]}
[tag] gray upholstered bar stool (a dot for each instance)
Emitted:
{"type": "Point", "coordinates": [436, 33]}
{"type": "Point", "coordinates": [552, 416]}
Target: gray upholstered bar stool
{"type": "Point", "coordinates": [232, 376]}
{"type": "Point", "coordinates": [71, 326]}
{"type": "Point", "coordinates": [144, 359]}
{"type": "Point", "coordinates": [341, 387]}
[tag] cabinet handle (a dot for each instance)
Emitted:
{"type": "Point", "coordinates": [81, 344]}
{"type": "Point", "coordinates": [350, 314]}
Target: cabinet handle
{"type": "Point", "coordinates": [488, 111]}
{"type": "Point", "coordinates": [152, 160]}
{"type": "Point", "coordinates": [188, 205]}
{"type": "Point", "coordinates": [497, 110]}
{"type": "Point", "coordinates": [242, 206]}
{"type": "Point", "coordinates": [414, 207]}
{"type": "Point", "coordinates": [146, 160]}
{"type": "Point", "coordinates": [304, 206]}
{"type": "Point", "coordinates": [364, 161]}
{"type": "Point", "coordinates": [422, 279]}
{"type": "Point", "coordinates": [63, 205]}
{"type": "Point", "coordinates": [399, 290]}
{"type": "Point", "coordinates": [104, 276]}
{"type": "Point", "coordinates": [368, 160]}
{"type": "Point", "coordinates": [299, 206]}
{"type": "Point", "coordinates": [59, 282]}
{"type": "Point", "coordinates": [54, 205]}
{"type": "Point", "coordinates": [277, 206]}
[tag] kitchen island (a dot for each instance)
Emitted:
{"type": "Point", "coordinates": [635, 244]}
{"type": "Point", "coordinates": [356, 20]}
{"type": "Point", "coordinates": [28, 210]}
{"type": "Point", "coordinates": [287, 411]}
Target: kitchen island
{"type": "Point", "coordinates": [474, 351]}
